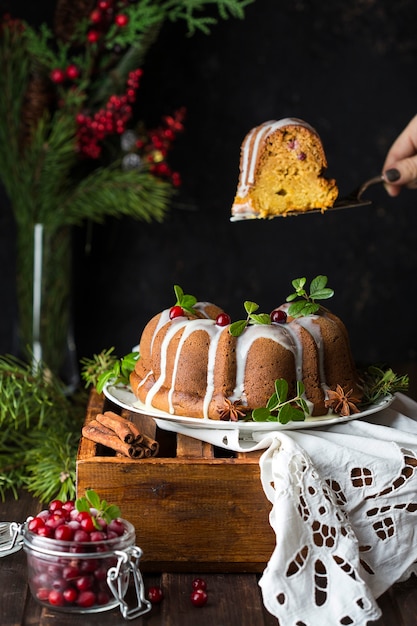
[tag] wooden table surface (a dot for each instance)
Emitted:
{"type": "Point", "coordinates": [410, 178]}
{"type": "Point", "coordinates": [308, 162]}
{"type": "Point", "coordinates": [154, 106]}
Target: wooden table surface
{"type": "Point", "coordinates": [234, 599]}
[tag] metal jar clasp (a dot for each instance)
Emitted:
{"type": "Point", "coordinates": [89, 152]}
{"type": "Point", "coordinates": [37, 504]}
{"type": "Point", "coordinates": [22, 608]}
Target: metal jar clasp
{"type": "Point", "coordinates": [118, 580]}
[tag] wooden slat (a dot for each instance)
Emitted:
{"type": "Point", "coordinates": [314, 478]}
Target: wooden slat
{"type": "Point", "coordinates": [188, 447]}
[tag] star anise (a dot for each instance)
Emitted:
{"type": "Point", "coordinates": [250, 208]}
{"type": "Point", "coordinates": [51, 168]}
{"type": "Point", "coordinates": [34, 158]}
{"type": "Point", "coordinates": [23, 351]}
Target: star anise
{"type": "Point", "coordinates": [232, 411]}
{"type": "Point", "coordinates": [342, 402]}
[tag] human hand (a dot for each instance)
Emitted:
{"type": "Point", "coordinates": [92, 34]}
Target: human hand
{"type": "Point", "coordinates": [400, 167]}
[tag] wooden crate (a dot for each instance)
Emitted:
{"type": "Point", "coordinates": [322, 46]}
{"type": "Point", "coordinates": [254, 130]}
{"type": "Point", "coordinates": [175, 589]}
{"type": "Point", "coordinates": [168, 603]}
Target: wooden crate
{"type": "Point", "coordinates": [195, 507]}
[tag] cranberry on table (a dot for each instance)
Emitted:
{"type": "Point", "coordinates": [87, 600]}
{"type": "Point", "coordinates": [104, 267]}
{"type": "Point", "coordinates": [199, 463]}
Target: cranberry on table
{"type": "Point", "coordinates": [155, 595]}
{"type": "Point", "coordinates": [199, 597]}
{"type": "Point", "coordinates": [199, 583]}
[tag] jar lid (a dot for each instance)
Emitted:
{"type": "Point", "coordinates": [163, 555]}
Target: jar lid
{"type": "Point", "coordinates": [10, 538]}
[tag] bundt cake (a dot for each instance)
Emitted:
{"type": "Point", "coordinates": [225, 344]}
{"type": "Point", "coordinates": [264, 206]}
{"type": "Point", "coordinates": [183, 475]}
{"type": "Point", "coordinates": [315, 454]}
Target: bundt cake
{"type": "Point", "coordinates": [281, 167]}
{"type": "Point", "coordinates": [192, 365]}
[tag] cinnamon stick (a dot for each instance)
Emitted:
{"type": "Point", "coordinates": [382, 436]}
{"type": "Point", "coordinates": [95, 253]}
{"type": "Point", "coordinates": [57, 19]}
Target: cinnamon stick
{"type": "Point", "coordinates": [101, 434]}
{"type": "Point", "coordinates": [125, 429]}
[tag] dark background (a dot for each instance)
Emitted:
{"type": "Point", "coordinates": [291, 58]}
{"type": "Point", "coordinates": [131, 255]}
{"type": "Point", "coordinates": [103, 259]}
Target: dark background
{"type": "Point", "coordinates": [350, 71]}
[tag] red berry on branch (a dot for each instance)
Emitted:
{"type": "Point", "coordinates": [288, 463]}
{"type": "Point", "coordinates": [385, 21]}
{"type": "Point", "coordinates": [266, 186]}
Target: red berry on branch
{"type": "Point", "coordinates": [96, 16]}
{"type": "Point", "coordinates": [121, 20]}
{"type": "Point", "coordinates": [104, 5]}
{"type": "Point", "coordinates": [72, 72]}
{"type": "Point", "coordinates": [93, 36]}
{"type": "Point", "coordinates": [57, 76]}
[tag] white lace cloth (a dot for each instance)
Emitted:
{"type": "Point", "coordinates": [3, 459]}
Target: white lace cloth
{"type": "Point", "coordinates": [344, 512]}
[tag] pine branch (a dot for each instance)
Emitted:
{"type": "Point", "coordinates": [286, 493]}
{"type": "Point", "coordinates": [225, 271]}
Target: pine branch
{"type": "Point", "coordinates": [114, 192]}
{"type": "Point", "coordinates": [40, 430]}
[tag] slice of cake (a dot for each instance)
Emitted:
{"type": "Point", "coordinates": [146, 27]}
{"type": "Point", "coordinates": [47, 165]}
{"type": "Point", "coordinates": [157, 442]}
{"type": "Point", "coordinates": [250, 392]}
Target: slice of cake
{"type": "Point", "coordinates": [281, 171]}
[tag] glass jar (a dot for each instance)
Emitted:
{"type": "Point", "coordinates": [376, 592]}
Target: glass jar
{"type": "Point", "coordinates": [85, 577]}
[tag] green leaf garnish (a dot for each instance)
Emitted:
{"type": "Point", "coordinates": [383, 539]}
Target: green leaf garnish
{"type": "Point", "coordinates": [91, 500]}
{"type": "Point", "coordinates": [281, 409]}
{"type": "Point", "coordinates": [237, 328]}
{"type": "Point", "coordinates": [185, 301]}
{"type": "Point", "coordinates": [307, 304]}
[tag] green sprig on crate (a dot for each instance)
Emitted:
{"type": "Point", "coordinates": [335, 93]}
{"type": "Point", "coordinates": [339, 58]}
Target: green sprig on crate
{"type": "Point", "coordinates": [106, 367]}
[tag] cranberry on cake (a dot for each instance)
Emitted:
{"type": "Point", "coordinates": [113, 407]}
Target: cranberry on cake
{"type": "Point", "coordinates": [281, 171]}
{"type": "Point", "coordinates": [195, 363]}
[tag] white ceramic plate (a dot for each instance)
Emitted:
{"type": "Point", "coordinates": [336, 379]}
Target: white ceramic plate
{"type": "Point", "coordinates": [122, 396]}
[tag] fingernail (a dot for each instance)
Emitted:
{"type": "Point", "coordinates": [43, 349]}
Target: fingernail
{"type": "Point", "coordinates": [392, 175]}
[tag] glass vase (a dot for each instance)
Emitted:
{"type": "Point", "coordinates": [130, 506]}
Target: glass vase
{"type": "Point", "coordinates": [44, 297]}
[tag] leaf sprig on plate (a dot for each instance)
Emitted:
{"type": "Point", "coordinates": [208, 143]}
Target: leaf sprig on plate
{"type": "Point", "coordinates": [307, 304]}
{"type": "Point", "coordinates": [281, 409]}
{"type": "Point", "coordinates": [237, 328]}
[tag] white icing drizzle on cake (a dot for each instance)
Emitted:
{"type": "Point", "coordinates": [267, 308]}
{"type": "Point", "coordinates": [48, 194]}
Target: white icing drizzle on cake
{"type": "Point", "coordinates": [286, 335]}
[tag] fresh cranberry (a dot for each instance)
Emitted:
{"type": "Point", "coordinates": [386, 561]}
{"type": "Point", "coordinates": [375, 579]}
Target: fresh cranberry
{"type": "Point", "coordinates": [64, 533]}
{"type": "Point", "coordinates": [176, 311]}
{"type": "Point", "coordinates": [223, 319]}
{"type": "Point", "coordinates": [70, 595]}
{"type": "Point", "coordinates": [35, 524]}
{"type": "Point", "coordinates": [68, 506]}
{"type": "Point", "coordinates": [104, 4]}
{"type": "Point", "coordinates": [199, 583]}
{"type": "Point", "coordinates": [199, 597]}
{"type": "Point", "coordinates": [86, 599]}
{"type": "Point", "coordinates": [42, 594]}
{"type": "Point", "coordinates": [89, 565]}
{"type": "Point", "coordinates": [56, 598]}
{"type": "Point", "coordinates": [55, 505]}
{"type": "Point", "coordinates": [81, 536]}
{"type": "Point", "coordinates": [116, 526]}
{"type": "Point", "coordinates": [87, 524]}
{"type": "Point", "coordinates": [55, 520]}
{"type": "Point", "coordinates": [278, 316]}
{"type": "Point", "coordinates": [155, 595]}
{"type": "Point", "coordinates": [97, 535]}
{"type": "Point", "coordinates": [102, 598]}
{"type": "Point", "coordinates": [100, 573]}
{"type": "Point", "coordinates": [83, 583]}
{"type": "Point", "coordinates": [46, 531]}
{"type": "Point", "coordinates": [70, 572]}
